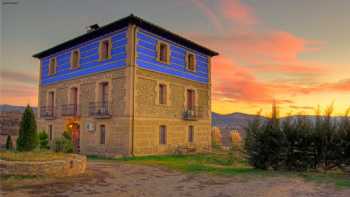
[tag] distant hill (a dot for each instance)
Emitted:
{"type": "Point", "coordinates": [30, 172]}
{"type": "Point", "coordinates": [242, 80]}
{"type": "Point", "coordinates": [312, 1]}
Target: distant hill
{"type": "Point", "coordinates": [234, 121]}
{"type": "Point", "coordinates": [13, 108]}
{"type": "Point", "coordinates": [240, 121]}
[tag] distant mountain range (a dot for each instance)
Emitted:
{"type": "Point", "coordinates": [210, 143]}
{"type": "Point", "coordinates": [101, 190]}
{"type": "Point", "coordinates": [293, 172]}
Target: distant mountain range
{"type": "Point", "coordinates": [13, 108]}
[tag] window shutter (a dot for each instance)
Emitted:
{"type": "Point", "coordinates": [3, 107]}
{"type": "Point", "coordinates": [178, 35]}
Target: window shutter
{"type": "Point", "coordinates": [168, 54]}
{"type": "Point", "coordinates": [158, 51]}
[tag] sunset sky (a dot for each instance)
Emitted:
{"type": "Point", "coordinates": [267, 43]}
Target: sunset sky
{"type": "Point", "coordinates": [294, 52]}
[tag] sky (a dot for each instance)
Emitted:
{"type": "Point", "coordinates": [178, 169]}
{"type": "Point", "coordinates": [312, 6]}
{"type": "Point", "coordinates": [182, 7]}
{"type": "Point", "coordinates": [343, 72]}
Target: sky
{"type": "Point", "coordinates": [295, 53]}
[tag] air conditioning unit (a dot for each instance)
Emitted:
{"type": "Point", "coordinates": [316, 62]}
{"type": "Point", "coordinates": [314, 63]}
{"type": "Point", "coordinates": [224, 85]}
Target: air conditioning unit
{"type": "Point", "coordinates": [90, 127]}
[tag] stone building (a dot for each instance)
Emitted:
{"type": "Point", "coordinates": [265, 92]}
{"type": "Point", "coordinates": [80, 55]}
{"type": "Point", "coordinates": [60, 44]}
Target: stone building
{"type": "Point", "coordinates": [127, 88]}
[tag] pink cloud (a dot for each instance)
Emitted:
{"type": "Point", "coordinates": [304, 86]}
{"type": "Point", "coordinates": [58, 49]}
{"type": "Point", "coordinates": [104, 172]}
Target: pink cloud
{"type": "Point", "coordinates": [237, 12]}
{"type": "Point", "coordinates": [236, 83]}
{"type": "Point", "coordinates": [294, 69]}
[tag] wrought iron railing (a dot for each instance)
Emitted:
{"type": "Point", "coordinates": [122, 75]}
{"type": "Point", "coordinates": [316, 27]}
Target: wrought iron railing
{"type": "Point", "coordinates": [70, 110]}
{"type": "Point", "coordinates": [100, 109]}
{"type": "Point", "coordinates": [47, 112]}
{"type": "Point", "coordinates": [192, 113]}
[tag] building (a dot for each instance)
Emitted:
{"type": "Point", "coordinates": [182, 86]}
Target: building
{"type": "Point", "coordinates": [127, 88]}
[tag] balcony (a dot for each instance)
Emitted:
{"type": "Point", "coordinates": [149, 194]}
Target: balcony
{"type": "Point", "coordinates": [100, 109]}
{"type": "Point", "coordinates": [70, 110]}
{"type": "Point", "coordinates": [47, 112]}
{"type": "Point", "coordinates": [192, 114]}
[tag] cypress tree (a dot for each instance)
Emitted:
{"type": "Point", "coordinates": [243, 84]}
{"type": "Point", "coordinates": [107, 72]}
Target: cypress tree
{"type": "Point", "coordinates": [28, 138]}
{"type": "Point", "coordinates": [9, 145]}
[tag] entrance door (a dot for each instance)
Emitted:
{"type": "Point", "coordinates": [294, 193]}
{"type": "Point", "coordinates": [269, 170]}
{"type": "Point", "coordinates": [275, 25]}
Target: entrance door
{"type": "Point", "coordinates": [76, 137]}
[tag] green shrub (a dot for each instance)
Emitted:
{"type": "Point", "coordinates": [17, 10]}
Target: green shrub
{"type": "Point", "coordinates": [28, 138]}
{"type": "Point", "coordinates": [63, 143]}
{"type": "Point", "coordinates": [9, 144]}
{"type": "Point", "coordinates": [43, 140]}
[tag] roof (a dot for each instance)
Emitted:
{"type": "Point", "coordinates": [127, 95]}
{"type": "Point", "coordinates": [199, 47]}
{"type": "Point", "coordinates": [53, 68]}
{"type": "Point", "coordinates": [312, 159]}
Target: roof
{"type": "Point", "coordinates": [131, 19]}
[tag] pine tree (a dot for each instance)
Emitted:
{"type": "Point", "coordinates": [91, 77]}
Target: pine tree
{"type": "Point", "coordinates": [9, 144]}
{"type": "Point", "coordinates": [28, 138]}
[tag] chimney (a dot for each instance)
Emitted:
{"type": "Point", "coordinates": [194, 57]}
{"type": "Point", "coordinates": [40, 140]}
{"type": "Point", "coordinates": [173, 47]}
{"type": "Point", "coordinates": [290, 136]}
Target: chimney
{"type": "Point", "coordinates": [92, 28]}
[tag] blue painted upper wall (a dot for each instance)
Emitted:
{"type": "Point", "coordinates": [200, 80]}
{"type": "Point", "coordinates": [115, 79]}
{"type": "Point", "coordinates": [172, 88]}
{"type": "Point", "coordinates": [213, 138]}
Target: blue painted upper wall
{"type": "Point", "coordinates": [89, 59]}
{"type": "Point", "coordinates": [147, 58]}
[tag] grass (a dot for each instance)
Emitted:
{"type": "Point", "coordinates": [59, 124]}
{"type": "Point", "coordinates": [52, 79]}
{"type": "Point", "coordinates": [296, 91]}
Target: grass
{"type": "Point", "coordinates": [220, 164]}
{"type": "Point", "coordinates": [31, 156]}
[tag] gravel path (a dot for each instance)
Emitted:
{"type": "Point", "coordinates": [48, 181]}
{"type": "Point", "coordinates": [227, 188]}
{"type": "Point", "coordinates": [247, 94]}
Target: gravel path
{"type": "Point", "coordinates": [123, 180]}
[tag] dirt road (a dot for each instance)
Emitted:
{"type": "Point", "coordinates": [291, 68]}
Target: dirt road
{"type": "Point", "coordinates": [124, 180]}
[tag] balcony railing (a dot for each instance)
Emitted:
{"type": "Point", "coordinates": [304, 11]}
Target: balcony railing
{"type": "Point", "coordinates": [193, 113]}
{"type": "Point", "coordinates": [70, 110]}
{"type": "Point", "coordinates": [100, 109]}
{"type": "Point", "coordinates": [47, 112]}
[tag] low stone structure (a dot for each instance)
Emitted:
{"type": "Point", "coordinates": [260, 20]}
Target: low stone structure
{"type": "Point", "coordinates": [70, 166]}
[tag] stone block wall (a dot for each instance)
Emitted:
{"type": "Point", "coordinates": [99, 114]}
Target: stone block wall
{"type": "Point", "coordinates": [71, 165]}
{"type": "Point", "coordinates": [118, 126]}
{"type": "Point", "coordinates": [149, 115]}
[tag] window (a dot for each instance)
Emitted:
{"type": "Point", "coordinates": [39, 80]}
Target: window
{"type": "Point", "coordinates": [163, 52]}
{"type": "Point", "coordinates": [105, 49]}
{"type": "Point", "coordinates": [162, 134]}
{"type": "Point", "coordinates": [73, 96]}
{"type": "Point", "coordinates": [51, 99]}
{"type": "Point", "coordinates": [162, 94]}
{"type": "Point", "coordinates": [75, 59]}
{"type": "Point", "coordinates": [191, 62]}
{"type": "Point", "coordinates": [102, 134]}
{"type": "Point", "coordinates": [191, 99]}
{"type": "Point", "coordinates": [190, 134]}
{"type": "Point", "coordinates": [104, 93]}
{"type": "Point", "coordinates": [52, 66]}
{"type": "Point", "coordinates": [50, 132]}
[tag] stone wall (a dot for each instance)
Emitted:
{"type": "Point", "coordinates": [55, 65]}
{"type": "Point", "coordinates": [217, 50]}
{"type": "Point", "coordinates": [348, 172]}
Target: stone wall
{"type": "Point", "coordinates": [149, 115]}
{"type": "Point", "coordinates": [117, 126]}
{"type": "Point", "coordinates": [72, 165]}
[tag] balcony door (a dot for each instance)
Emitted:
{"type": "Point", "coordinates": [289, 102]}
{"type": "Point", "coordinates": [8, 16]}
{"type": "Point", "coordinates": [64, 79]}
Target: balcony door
{"type": "Point", "coordinates": [104, 95]}
{"type": "Point", "coordinates": [74, 100]}
{"type": "Point", "coordinates": [191, 99]}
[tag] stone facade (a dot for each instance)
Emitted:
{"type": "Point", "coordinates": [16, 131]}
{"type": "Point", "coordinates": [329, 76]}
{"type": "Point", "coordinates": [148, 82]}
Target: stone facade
{"type": "Point", "coordinates": [149, 115]}
{"type": "Point", "coordinates": [117, 126]}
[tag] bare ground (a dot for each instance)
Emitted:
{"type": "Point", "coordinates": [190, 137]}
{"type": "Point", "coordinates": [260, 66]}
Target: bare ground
{"type": "Point", "coordinates": [125, 180]}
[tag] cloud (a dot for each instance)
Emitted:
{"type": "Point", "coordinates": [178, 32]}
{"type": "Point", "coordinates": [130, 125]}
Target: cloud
{"type": "Point", "coordinates": [21, 77]}
{"type": "Point", "coordinates": [296, 107]}
{"type": "Point", "coordinates": [237, 12]}
{"type": "Point", "coordinates": [295, 69]}
{"type": "Point", "coordinates": [210, 15]}
{"type": "Point", "coordinates": [232, 82]}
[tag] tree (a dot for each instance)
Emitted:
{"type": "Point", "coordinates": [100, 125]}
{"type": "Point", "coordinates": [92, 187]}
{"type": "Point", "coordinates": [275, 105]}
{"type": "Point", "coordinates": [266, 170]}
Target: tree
{"type": "Point", "coordinates": [9, 144]}
{"type": "Point", "coordinates": [28, 138]}
{"type": "Point", "coordinates": [235, 137]}
{"type": "Point", "coordinates": [216, 136]}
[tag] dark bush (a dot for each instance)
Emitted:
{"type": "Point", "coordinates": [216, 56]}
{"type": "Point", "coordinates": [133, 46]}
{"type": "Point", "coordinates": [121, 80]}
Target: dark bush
{"type": "Point", "coordinates": [9, 144]}
{"type": "Point", "coordinates": [43, 140]}
{"type": "Point", "coordinates": [299, 142]}
{"type": "Point", "coordinates": [63, 143]}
